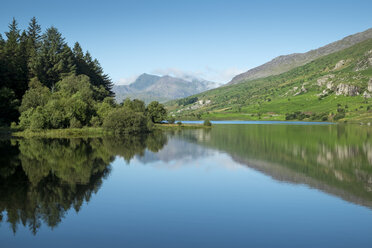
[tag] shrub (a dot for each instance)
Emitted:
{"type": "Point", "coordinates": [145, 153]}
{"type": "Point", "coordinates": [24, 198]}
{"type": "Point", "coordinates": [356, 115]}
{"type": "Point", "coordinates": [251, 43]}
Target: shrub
{"type": "Point", "coordinates": [37, 119]}
{"type": "Point", "coordinates": [75, 123]}
{"type": "Point", "coordinates": [179, 123]}
{"type": "Point", "coordinates": [126, 121]}
{"type": "Point", "coordinates": [207, 123]}
{"type": "Point", "coordinates": [95, 121]}
{"type": "Point", "coordinates": [171, 120]}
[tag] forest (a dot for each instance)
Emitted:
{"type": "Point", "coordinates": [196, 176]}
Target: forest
{"type": "Point", "coordinates": [45, 84]}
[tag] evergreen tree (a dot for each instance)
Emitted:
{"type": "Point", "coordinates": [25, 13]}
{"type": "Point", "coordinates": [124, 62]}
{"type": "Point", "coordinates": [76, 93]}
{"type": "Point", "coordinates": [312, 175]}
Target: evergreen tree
{"type": "Point", "coordinates": [33, 46]}
{"type": "Point", "coordinates": [51, 62]}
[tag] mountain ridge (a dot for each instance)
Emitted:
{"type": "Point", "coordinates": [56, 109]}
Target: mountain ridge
{"type": "Point", "coordinates": [284, 63]}
{"type": "Point", "coordinates": [149, 88]}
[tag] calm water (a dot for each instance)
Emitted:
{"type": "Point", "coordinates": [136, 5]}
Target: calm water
{"type": "Point", "coordinates": [232, 186]}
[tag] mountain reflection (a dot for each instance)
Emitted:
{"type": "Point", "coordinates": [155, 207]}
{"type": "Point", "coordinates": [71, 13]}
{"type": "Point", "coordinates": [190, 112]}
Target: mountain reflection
{"type": "Point", "coordinates": [41, 179]}
{"type": "Point", "coordinates": [334, 158]}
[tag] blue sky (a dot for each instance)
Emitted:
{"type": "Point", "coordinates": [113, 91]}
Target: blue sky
{"type": "Point", "coordinates": [211, 39]}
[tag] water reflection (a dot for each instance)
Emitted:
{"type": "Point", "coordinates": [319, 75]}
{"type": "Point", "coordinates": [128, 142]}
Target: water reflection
{"type": "Point", "coordinates": [41, 179]}
{"type": "Point", "coordinates": [336, 159]}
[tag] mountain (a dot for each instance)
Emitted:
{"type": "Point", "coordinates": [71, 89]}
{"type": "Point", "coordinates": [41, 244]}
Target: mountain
{"type": "Point", "coordinates": [155, 88]}
{"type": "Point", "coordinates": [287, 62]}
{"type": "Point", "coordinates": [335, 87]}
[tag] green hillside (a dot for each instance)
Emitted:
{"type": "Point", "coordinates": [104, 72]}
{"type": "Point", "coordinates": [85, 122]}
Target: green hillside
{"type": "Point", "coordinates": [336, 87]}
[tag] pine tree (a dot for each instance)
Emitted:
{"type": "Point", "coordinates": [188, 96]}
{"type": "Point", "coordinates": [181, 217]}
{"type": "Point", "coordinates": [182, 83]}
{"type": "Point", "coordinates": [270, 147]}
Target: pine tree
{"type": "Point", "coordinates": [50, 64]}
{"type": "Point", "coordinates": [33, 46]}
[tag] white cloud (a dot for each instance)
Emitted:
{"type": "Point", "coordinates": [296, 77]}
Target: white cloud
{"type": "Point", "coordinates": [207, 73]}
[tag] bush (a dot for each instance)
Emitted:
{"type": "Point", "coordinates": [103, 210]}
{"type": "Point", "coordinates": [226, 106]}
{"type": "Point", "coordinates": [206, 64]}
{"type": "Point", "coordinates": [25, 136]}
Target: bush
{"type": "Point", "coordinates": [37, 120]}
{"type": "Point", "coordinates": [156, 112]}
{"type": "Point", "coordinates": [171, 120]}
{"type": "Point", "coordinates": [207, 123]}
{"type": "Point", "coordinates": [338, 116]}
{"type": "Point", "coordinates": [126, 121]}
{"type": "Point", "coordinates": [95, 121]}
{"type": "Point", "coordinates": [75, 123]}
{"type": "Point", "coordinates": [179, 123]}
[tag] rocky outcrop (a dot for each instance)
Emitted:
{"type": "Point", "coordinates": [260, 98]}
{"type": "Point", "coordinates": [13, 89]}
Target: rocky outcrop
{"type": "Point", "coordinates": [346, 90]}
{"type": "Point", "coordinates": [365, 63]}
{"type": "Point", "coordinates": [340, 64]}
{"type": "Point", "coordinates": [325, 79]}
{"type": "Point", "coordinates": [366, 95]}
{"type": "Point", "coordinates": [369, 86]}
{"type": "Point", "coordinates": [302, 90]}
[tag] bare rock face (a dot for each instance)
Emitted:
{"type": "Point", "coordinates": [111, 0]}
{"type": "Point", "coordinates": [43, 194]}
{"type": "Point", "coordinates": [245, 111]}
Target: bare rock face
{"type": "Point", "coordinates": [346, 90]}
{"type": "Point", "coordinates": [369, 86]}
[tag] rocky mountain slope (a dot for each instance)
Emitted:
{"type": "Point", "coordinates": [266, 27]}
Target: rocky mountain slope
{"type": "Point", "coordinates": [335, 87]}
{"type": "Point", "coordinates": [287, 62]}
{"type": "Point", "coordinates": [151, 87]}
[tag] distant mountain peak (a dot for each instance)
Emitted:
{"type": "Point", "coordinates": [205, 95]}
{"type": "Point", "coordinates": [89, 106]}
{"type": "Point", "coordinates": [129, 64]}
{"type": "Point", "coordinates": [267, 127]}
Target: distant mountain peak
{"type": "Point", "coordinates": [149, 87]}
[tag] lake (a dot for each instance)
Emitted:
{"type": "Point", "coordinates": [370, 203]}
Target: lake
{"type": "Point", "coordinates": [233, 185]}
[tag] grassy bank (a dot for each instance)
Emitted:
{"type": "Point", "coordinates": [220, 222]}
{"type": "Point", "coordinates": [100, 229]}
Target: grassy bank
{"type": "Point", "coordinates": [89, 132]}
{"type": "Point", "coordinates": [177, 126]}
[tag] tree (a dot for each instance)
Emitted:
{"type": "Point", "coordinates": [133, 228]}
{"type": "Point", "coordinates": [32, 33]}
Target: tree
{"type": "Point", "coordinates": [156, 112]}
{"type": "Point", "coordinates": [36, 95]}
{"type": "Point", "coordinates": [33, 46]}
{"type": "Point", "coordinates": [135, 105]}
{"type": "Point", "coordinates": [55, 58]}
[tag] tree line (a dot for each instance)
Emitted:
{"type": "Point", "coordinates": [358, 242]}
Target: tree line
{"type": "Point", "coordinates": [45, 84]}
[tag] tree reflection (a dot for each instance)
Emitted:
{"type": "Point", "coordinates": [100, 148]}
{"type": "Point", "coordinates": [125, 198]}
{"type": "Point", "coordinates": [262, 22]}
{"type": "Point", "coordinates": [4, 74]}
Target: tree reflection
{"type": "Point", "coordinates": [42, 179]}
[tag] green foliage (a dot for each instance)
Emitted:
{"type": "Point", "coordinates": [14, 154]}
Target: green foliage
{"type": "Point", "coordinates": [34, 62]}
{"type": "Point", "coordinates": [207, 123]}
{"type": "Point", "coordinates": [171, 120]}
{"type": "Point", "coordinates": [73, 104]}
{"type": "Point", "coordinates": [36, 95]}
{"type": "Point", "coordinates": [125, 121]}
{"type": "Point", "coordinates": [156, 112]}
{"type": "Point", "coordinates": [187, 101]}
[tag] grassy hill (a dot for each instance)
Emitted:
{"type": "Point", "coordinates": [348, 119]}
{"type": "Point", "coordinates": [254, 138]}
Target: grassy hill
{"type": "Point", "coordinates": [334, 87]}
{"type": "Point", "coordinates": [285, 63]}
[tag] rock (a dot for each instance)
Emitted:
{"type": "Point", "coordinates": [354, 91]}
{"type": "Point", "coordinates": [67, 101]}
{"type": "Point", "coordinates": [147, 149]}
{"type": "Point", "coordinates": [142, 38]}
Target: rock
{"type": "Point", "coordinates": [366, 95]}
{"type": "Point", "coordinates": [324, 92]}
{"type": "Point", "coordinates": [346, 90]}
{"type": "Point", "coordinates": [369, 86]}
{"type": "Point", "coordinates": [322, 80]}
{"type": "Point", "coordinates": [340, 64]}
{"type": "Point", "coordinates": [329, 85]}
{"type": "Point", "coordinates": [302, 90]}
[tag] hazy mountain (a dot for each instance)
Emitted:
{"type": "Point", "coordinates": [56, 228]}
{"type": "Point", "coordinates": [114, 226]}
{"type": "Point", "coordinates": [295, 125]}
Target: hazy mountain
{"type": "Point", "coordinates": [287, 62]}
{"type": "Point", "coordinates": [151, 87]}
